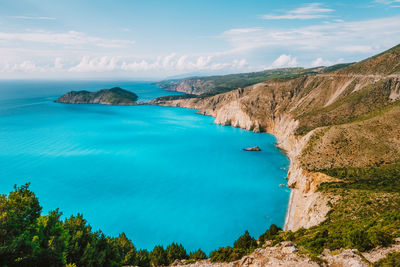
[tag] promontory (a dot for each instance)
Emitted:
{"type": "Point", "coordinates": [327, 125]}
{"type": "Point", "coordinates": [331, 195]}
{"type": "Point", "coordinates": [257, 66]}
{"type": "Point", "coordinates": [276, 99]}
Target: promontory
{"type": "Point", "coordinates": [113, 96]}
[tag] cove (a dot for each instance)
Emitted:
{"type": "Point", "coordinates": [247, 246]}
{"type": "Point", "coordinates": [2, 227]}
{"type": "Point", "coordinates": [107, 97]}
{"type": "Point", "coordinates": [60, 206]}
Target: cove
{"type": "Point", "coordinates": [159, 174]}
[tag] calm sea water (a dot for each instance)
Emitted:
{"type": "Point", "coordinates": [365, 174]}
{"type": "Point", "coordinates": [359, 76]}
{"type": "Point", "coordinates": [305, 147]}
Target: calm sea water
{"type": "Point", "coordinates": [159, 174]}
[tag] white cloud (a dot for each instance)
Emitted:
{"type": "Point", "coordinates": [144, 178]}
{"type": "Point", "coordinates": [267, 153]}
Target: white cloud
{"type": "Point", "coordinates": [285, 61]}
{"type": "Point", "coordinates": [25, 67]}
{"type": "Point", "coordinates": [309, 11]}
{"type": "Point", "coordinates": [58, 64]}
{"type": "Point", "coordinates": [72, 38]}
{"type": "Point", "coordinates": [387, 2]}
{"type": "Point", "coordinates": [321, 62]}
{"type": "Point", "coordinates": [32, 17]}
{"type": "Point", "coordinates": [171, 62]}
{"type": "Point", "coordinates": [366, 36]}
{"type": "Point", "coordinates": [98, 64]}
{"type": "Point", "coordinates": [167, 63]}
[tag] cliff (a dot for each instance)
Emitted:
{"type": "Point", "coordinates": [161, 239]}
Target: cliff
{"type": "Point", "coordinates": [113, 96]}
{"type": "Point", "coordinates": [341, 119]}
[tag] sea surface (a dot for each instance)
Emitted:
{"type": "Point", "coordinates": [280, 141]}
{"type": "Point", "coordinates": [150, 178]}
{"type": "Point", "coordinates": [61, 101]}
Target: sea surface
{"type": "Point", "coordinates": [159, 174]}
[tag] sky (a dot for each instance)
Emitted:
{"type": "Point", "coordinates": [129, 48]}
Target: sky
{"type": "Point", "coordinates": [149, 39]}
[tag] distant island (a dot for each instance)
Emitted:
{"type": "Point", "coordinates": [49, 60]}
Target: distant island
{"type": "Point", "coordinates": [113, 96]}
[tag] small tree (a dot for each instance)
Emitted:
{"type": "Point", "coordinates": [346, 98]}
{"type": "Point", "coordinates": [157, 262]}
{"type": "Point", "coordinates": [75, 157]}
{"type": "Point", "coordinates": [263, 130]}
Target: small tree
{"type": "Point", "coordinates": [143, 258]}
{"type": "Point", "coordinates": [158, 256]}
{"type": "Point", "coordinates": [126, 249]}
{"type": "Point", "coordinates": [175, 252]}
{"type": "Point", "coordinates": [197, 255]}
{"type": "Point", "coordinates": [245, 242]}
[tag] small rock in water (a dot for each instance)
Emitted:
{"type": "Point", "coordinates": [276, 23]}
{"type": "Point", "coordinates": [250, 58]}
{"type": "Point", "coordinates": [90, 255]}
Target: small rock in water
{"type": "Point", "coordinates": [256, 148]}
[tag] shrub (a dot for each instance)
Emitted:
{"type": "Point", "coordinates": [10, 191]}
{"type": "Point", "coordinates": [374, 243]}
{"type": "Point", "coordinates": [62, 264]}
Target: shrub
{"type": "Point", "coordinates": [158, 256]}
{"type": "Point", "coordinates": [269, 234]}
{"type": "Point", "coordinates": [197, 255]}
{"type": "Point", "coordinates": [175, 252]}
{"type": "Point", "coordinates": [245, 242]}
{"type": "Point", "coordinates": [226, 254]}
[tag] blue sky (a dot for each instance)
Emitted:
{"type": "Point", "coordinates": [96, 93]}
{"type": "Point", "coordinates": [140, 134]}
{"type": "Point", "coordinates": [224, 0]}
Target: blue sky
{"type": "Point", "coordinates": [156, 39]}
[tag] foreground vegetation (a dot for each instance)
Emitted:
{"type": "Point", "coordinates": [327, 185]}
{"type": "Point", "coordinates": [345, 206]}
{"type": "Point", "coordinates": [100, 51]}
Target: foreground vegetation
{"type": "Point", "coordinates": [28, 238]}
{"type": "Point", "coordinates": [365, 214]}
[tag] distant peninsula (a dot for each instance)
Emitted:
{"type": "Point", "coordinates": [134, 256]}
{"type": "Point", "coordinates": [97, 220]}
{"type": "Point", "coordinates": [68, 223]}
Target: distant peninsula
{"type": "Point", "coordinates": [113, 96]}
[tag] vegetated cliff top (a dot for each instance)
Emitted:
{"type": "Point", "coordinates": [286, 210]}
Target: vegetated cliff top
{"type": "Point", "coordinates": [385, 63]}
{"type": "Point", "coordinates": [113, 96]}
{"type": "Point", "coordinates": [212, 85]}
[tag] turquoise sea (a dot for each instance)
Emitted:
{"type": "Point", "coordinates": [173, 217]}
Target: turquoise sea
{"type": "Point", "coordinates": [159, 174]}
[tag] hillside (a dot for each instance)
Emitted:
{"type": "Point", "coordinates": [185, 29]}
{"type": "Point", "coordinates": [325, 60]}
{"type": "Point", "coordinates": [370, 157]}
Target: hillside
{"type": "Point", "coordinates": [113, 96]}
{"type": "Point", "coordinates": [341, 131]}
{"type": "Point", "coordinates": [212, 85]}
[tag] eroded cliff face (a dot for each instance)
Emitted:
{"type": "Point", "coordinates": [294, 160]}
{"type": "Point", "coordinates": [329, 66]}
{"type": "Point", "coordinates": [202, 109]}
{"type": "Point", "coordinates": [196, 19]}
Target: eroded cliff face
{"type": "Point", "coordinates": [321, 121]}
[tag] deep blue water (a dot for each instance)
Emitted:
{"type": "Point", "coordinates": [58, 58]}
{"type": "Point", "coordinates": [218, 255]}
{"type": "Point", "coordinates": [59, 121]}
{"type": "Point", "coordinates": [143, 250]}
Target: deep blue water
{"type": "Point", "coordinates": [159, 174]}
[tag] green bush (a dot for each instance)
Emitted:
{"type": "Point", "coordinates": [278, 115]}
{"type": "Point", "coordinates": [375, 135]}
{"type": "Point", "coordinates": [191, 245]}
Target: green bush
{"type": "Point", "coordinates": [392, 260]}
{"type": "Point", "coordinates": [245, 242]}
{"type": "Point", "coordinates": [226, 254]}
{"type": "Point", "coordinates": [158, 256]}
{"type": "Point", "coordinates": [143, 258]}
{"type": "Point", "coordinates": [269, 234]}
{"type": "Point", "coordinates": [176, 252]}
{"type": "Point", "coordinates": [197, 255]}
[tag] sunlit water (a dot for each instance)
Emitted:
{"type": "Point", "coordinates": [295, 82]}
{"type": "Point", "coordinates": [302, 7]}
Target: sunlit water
{"type": "Point", "coordinates": [159, 174]}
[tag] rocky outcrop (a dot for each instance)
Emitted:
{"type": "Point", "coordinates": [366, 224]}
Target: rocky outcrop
{"type": "Point", "coordinates": [283, 254]}
{"type": "Point", "coordinates": [113, 96]}
{"type": "Point", "coordinates": [287, 254]}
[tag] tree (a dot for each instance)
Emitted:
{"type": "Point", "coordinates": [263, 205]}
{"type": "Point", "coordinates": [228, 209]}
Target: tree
{"type": "Point", "coordinates": [175, 252]}
{"type": "Point", "coordinates": [79, 235]}
{"type": "Point", "coordinates": [19, 212]}
{"type": "Point", "coordinates": [126, 249]}
{"type": "Point", "coordinates": [101, 252]}
{"type": "Point", "coordinates": [143, 258]}
{"type": "Point", "coordinates": [158, 256]}
{"type": "Point", "coordinates": [197, 255]}
{"type": "Point", "coordinates": [49, 242]}
{"type": "Point", "coordinates": [245, 242]}
{"type": "Point", "coordinates": [270, 233]}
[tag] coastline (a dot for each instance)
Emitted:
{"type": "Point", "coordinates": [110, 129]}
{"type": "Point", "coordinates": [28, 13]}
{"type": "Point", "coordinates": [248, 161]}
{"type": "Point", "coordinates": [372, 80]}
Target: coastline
{"type": "Point", "coordinates": [288, 208]}
{"type": "Point", "coordinates": [305, 207]}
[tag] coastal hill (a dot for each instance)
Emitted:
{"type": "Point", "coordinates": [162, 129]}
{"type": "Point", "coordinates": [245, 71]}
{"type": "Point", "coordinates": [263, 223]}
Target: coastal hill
{"type": "Point", "coordinates": [212, 85]}
{"type": "Point", "coordinates": [341, 131]}
{"type": "Point", "coordinates": [113, 96]}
